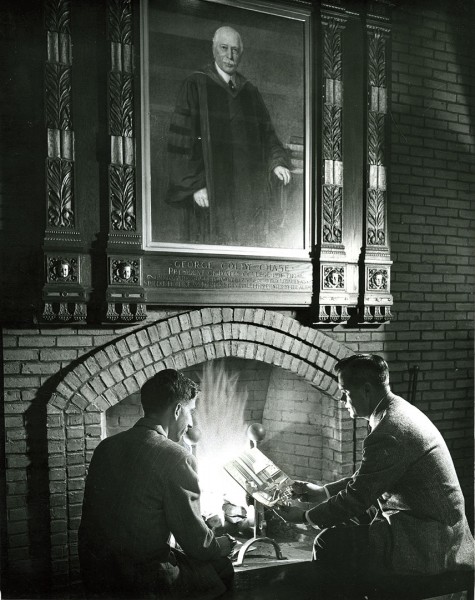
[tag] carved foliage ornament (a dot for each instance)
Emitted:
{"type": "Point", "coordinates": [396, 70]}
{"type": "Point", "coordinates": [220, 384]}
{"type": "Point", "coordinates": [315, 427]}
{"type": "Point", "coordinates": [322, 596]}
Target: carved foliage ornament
{"type": "Point", "coordinates": [120, 21]}
{"type": "Point", "coordinates": [122, 196]}
{"type": "Point", "coordinates": [332, 205]}
{"type": "Point", "coordinates": [376, 218]}
{"type": "Point", "coordinates": [58, 15]}
{"type": "Point", "coordinates": [376, 124]}
{"type": "Point", "coordinates": [121, 104]}
{"type": "Point", "coordinates": [332, 62]}
{"type": "Point", "coordinates": [60, 191]}
{"type": "Point", "coordinates": [338, 313]}
{"type": "Point", "coordinates": [139, 312]}
{"type": "Point", "coordinates": [377, 59]}
{"type": "Point", "coordinates": [58, 96]}
{"type": "Point", "coordinates": [332, 133]}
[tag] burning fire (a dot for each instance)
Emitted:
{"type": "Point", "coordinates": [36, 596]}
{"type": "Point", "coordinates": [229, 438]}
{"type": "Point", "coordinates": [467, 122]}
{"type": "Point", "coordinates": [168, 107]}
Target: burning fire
{"type": "Point", "coordinates": [220, 418]}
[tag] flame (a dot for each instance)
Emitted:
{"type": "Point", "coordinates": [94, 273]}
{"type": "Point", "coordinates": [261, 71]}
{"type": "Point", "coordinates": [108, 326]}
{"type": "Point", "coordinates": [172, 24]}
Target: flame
{"type": "Point", "coordinates": [220, 416]}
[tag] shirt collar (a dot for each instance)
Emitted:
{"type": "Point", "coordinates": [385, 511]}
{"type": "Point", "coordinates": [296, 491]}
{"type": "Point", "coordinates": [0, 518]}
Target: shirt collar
{"type": "Point", "coordinates": [150, 424]}
{"type": "Point", "coordinates": [378, 413]}
{"type": "Point", "coordinates": [223, 75]}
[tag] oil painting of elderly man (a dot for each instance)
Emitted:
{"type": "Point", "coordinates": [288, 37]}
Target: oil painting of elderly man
{"type": "Point", "coordinates": [226, 158]}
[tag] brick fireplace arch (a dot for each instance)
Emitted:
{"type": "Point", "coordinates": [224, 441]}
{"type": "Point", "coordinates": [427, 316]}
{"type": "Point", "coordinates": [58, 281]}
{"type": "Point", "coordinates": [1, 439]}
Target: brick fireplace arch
{"type": "Point", "coordinates": [76, 410]}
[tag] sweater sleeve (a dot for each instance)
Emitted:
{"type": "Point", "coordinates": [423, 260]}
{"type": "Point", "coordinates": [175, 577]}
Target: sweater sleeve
{"type": "Point", "coordinates": [183, 512]}
{"type": "Point", "coordinates": [337, 486]}
{"type": "Point", "coordinates": [382, 464]}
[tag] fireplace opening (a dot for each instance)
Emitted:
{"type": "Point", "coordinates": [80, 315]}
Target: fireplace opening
{"type": "Point", "coordinates": [285, 383]}
{"type": "Point", "coordinates": [306, 434]}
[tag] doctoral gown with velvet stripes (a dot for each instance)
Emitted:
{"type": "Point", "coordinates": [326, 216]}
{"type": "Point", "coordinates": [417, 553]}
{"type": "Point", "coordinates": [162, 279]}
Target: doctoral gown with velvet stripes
{"type": "Point", "coordinates": [223, 140]}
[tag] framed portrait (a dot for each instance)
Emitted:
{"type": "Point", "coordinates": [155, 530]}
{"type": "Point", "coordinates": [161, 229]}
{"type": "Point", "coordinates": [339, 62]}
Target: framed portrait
{"type": "Point", "coordinates": [226, 148]}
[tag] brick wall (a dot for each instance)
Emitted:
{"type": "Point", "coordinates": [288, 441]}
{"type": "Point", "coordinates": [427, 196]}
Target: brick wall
{"type": "Point", "coordinates": [432, 182]}
{"type": "Point", "coordinates": [59, 382]}
{"type": "Point", "coordinates": [308, 434]}
{"type": "Point", "coordinates": [253, 381]}
{"type": "Point", "coordinates": [431, 222]}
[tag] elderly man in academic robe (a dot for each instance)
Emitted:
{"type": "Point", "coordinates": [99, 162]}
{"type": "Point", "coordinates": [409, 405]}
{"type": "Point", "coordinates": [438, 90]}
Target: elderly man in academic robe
{"type": "Point", "coordinates": [225, 159]}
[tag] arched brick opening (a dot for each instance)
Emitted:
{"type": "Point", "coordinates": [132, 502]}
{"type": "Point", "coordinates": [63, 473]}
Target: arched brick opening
{"type": "Point", "coordinates": [76, 409]}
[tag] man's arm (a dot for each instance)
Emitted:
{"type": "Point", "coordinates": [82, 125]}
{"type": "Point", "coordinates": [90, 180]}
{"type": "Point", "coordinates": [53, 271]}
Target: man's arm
{"type": "Point", "coordinates": [383, 463]}
{"type": "Point", "coordinates": [312, 493]}
{"type": "Point", "coordinates": [337, 486]}
{"type": "Point", "coordinates": [183, 513]}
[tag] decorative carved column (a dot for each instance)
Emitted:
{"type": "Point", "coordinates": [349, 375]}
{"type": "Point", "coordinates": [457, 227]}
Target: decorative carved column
{"type": "Point", "coordinates": [125, 294]}
{"type": "Point", "coordinates": [376, 303]}
{"type": "Point", "coordinates": [67, 267]}
{"type": "Point", "coordinates": [333, 296]}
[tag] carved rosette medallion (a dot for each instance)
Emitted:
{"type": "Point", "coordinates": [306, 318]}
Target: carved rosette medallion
{"type": "Point", "coordinates": [124, 272]}
{"type": "Point", "coordinates": [62, 269]}
{"type": "Point", "coordinates": [378, 279]}
{"type": "Point", "coordinates": [333, 290]}
{"type": "Point", "coordinates": [125, 295]}
{"type": "Point", "coordinates": [377, 301]}
{"type": "Point", "coordinates": [332, 308]}
{"type": "Point", "coordinates": [66, 291]}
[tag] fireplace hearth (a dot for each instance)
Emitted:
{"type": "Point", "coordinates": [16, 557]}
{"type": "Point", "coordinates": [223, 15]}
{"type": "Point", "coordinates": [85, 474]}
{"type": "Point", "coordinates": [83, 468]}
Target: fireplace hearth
{"type": "Point", "coordinates": [282, 377]}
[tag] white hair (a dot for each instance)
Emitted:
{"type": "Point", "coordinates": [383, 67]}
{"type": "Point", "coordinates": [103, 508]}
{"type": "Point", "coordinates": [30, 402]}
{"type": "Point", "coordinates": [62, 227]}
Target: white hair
{"type": "Point", "coordinates": [227, 28]}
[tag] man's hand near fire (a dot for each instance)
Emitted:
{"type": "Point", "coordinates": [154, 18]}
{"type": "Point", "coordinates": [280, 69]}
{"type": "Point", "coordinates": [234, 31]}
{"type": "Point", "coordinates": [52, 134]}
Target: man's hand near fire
{"type": "Point", "coordinates": [309, 492]}
{"type": "Point", "coordinates": [304, 492]}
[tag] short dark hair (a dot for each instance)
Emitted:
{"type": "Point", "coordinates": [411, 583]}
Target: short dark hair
{"type": "Point", "coordinates": [362, 368]}
{"type": "Point", "coordinates": [167, 388]}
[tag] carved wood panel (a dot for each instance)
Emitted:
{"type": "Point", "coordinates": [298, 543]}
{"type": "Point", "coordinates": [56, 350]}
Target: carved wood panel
{"type": "Point", "coordinates": [67, 280]}
{"type": "Point", "coordinates": [333, 299]}
{"type": "Point", "coordinates": [125, 295]}
{"type": "Point", "coordinates": [376, 300]}
{"type": "Point", "coordinates": [336, 266]}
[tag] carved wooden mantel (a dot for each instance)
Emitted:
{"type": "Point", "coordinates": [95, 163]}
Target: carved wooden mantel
{"type": "Point", "coordinates": [349, 287]}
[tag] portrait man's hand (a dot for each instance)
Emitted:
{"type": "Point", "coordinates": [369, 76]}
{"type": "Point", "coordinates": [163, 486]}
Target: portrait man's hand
{"type": "Point", "coordinates": [309, 492]}
{"type": "Point", "coordinates": [283, 174]}
{"type": "Point", "coordinates": [201, 198]}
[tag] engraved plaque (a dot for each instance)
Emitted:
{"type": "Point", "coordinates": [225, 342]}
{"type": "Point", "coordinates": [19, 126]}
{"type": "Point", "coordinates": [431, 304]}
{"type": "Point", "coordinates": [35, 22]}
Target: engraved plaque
{"type": "Point", "coordinates": [221, 280]}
